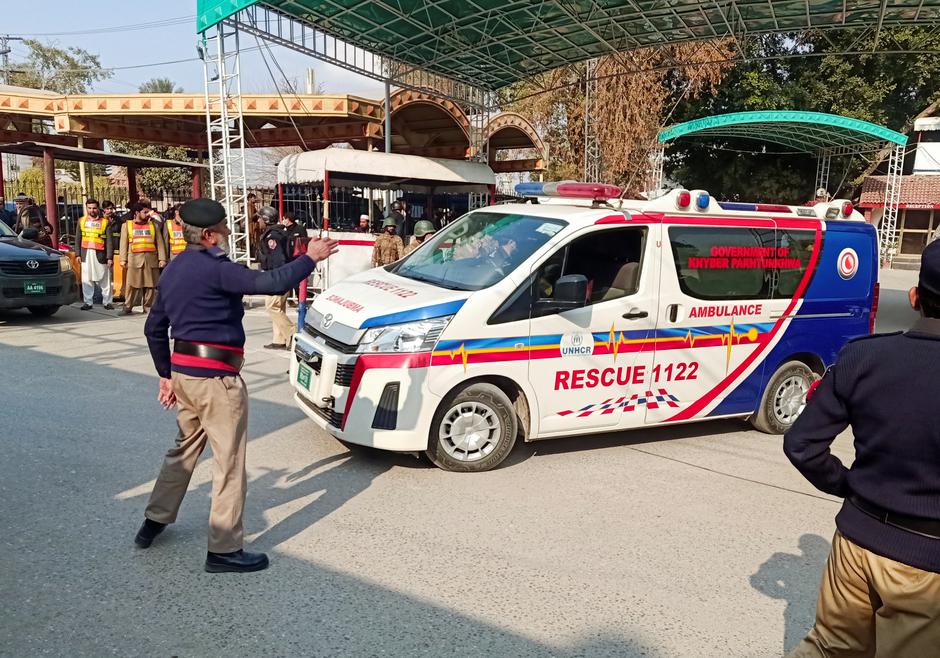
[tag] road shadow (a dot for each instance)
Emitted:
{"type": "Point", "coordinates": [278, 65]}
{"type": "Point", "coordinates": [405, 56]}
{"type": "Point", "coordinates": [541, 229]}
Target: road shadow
{"type": "Point", "coordinates": [640, 436]}
{"type": "Point", "coordinates": [794, 578]}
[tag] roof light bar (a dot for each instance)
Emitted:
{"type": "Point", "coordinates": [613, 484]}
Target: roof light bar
{"type": "Point", "coordinates": [754, 207]}
{"type": "Point", "coordinates": [569, 189]}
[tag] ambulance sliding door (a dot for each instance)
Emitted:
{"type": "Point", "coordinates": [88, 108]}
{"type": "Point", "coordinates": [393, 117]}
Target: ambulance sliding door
{"type": "Point", "coordinates": [585, 363]}
{"type": "Point", "coordinates": [714, 318]}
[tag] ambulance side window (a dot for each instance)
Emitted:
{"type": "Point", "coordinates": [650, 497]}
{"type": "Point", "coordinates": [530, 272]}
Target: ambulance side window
{"type": "Point", "coordinates": [610, 259]}
{"type": "Point", "coordinates": [723, 263]}
{"type": "Point", "coordinates": [795, 248]}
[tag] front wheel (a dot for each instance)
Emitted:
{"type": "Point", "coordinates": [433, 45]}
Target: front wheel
{"type": "Point", "coordinates": [473, 431]}
{"type": "Point", "coordinates": [43, 311]}
{"type": "Point", "coordinates": [784, 398]}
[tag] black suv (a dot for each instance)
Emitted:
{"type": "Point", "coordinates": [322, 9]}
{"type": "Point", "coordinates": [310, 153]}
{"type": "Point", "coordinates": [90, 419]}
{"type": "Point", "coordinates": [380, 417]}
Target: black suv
{"type": "Point", "coordinates": [37, 277]}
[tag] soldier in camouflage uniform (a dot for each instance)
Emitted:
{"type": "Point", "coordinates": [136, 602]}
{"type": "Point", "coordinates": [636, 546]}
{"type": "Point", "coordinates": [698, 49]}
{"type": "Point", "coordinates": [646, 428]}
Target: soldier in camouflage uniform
{"type": "Point", "coordinates": [423, 229]}
{"type": "Point", "coordinates": [388, 246]}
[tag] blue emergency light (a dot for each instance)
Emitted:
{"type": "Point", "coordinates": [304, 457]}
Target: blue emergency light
{"type": "Point", "coordinates": [530, 189]}
{"type": "Point", "coordinates": [701, 201]}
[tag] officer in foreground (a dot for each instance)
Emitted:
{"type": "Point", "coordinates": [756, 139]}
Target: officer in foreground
{"type": "Point", "coordinates": [200, 297]}
{"type": "Point", "coordinates": [423, 230]}
{"type": "Point", "coordinates": [880, 595]}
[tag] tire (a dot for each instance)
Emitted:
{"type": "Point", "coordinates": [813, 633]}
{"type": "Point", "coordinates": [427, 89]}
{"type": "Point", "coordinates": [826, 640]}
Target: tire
{"type": "Point", "coordinates": [43, 311]}
{"type": "Point", "coordinates": [474, 430]}
{"type": "Point", "coordinates": [784, 398]}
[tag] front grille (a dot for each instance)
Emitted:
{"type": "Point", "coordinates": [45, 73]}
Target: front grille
{"type": "Point", "coordinates": [344, 371]}
{"type": "Point", "coordinates": [334, 418]}
{"type": "Point", "coordinates": [332, 342]}
{"type": "Point", "coordinates": [18, 292]}
{"type": "Point", "coordinates": [19, 267]}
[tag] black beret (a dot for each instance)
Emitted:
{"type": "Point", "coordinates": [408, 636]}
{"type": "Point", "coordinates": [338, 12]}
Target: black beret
{"type": "Point", "coordinates": [203, 213]}
{"type": "Point", "coordinates": [930, 268]}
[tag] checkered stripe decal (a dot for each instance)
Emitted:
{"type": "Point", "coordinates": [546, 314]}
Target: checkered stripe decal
{"type": "Point", "coordinates": [651, 400]}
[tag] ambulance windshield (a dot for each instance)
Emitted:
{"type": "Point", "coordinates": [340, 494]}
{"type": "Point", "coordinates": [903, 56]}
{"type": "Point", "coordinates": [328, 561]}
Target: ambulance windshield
{"type": "Point", "coordinates": [478, 250]}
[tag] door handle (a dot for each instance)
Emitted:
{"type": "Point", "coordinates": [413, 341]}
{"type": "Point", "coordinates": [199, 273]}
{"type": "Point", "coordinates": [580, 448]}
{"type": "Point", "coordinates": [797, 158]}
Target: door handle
{"type": "Point", "coordinates": [635, 314]}
{"type": "Point", "coordinates": [673, 312]}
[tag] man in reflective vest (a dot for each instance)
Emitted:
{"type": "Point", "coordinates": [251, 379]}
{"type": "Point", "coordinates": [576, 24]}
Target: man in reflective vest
{"type": "Point", "coordinates": [97, 254]}
{"type": "Point", "coordinates": [200, 301]}
{"type": "Point", "coordinates": [173, 232]}
{"type": "Point", "coordinates": [143, 253]}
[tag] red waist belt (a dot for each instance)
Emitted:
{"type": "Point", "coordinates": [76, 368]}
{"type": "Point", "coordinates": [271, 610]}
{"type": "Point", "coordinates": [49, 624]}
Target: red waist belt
{"type": "Point", "coordinates": [207, 355]}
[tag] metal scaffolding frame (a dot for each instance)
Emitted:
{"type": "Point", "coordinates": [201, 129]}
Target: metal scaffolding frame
{"type": "Point", "coordinates": [592, 147]}
{"type": "Point", "coordinates": [225, 129]}
{"type": "Point", "coordinates": [887, 228]}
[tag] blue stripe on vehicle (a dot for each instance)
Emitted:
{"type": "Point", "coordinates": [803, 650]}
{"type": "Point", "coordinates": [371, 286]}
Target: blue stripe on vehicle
{"type": "Point", "coordinates": [423, 313]}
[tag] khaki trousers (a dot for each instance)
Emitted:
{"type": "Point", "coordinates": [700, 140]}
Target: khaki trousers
{"type": "Point", "coordinates": [282, 327]}
{"type": "Point", "coordinates": [134, 296]}
{"type": "Point", "coordinates": [873, 606]}
{"type": "Point", "coordinates": [213, 409]}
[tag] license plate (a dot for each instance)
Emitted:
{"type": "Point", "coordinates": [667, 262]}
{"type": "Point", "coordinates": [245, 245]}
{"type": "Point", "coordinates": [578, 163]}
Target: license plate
{"type": "Point", "coordinates": [303, 375]}
{"type": "Point", "coordinates": [34, 288]}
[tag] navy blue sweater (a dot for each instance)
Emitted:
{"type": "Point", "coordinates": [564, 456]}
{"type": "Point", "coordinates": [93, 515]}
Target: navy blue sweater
{"type": "Point", "coordinates": [200, 294]}
{"type": "Point", "coordinates": [885, 387]}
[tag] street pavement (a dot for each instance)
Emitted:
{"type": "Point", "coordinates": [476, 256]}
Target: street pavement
{"type": "Point", "coordinates": [697, 540]}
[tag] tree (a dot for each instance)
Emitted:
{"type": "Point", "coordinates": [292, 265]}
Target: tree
{"type": "Point", "coordinates": [160, 86]}
{"type": "Point", "coordinates": [634, 93]}
{"type": "Point", "coordinates": [64, 70]}
{"type": "Point", "coordinates": [889, 90]}
{"type": "Point", "coordinates": [153, 181]}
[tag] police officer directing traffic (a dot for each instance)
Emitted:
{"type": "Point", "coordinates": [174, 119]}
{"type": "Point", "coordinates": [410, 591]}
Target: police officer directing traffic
{"type": "Point", "coordinates": [200, 299]}
{"type": "Point", "coordinates": [880, 595]}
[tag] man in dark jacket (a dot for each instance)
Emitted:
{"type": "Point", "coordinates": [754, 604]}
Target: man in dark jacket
{"type": "Point", "coordinates": [880, 595]}
{"type": "Point", "coordinates": [273, 252]}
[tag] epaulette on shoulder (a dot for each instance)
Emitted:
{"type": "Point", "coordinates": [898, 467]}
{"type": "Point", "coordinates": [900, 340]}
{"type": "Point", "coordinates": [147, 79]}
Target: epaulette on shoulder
{"type": "Point", "coordinates": [870, 336]}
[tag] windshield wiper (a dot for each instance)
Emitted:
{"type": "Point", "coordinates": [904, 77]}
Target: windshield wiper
{"type": "Point", "coordinates": [433, 282]}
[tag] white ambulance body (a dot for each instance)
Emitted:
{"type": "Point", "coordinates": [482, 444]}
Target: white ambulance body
{"type": "Point", "coordinates": [565, 318]}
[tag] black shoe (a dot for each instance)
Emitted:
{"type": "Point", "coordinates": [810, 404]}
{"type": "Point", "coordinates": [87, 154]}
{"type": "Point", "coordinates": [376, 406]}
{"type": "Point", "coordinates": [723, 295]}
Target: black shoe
{"type": "Point", "coordinates": [275, 346]}
{"type": "Point", "coordinates": [126, 311]}
{"type": "Point", "coordinates": [239, 561]}
{"type": "Point", "coordinates": [148, 532]}
{"type": "Point", "coordinates": [109, 307]}
{"type": "Point", "coordinates": [86, 307]}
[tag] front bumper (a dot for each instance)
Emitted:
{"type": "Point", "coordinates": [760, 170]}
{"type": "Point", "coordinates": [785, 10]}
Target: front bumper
{"type": "Point", "coordinates": [379, 405]}
{"type": "Point", "coordinates": [60, 290]}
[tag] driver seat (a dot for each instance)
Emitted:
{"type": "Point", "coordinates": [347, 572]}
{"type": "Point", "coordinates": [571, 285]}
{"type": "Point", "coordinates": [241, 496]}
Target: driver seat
{"type": "Point", "coordinates": [624, 283]}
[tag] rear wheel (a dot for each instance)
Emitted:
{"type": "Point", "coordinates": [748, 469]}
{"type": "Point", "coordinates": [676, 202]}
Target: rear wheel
{"type": "Point", "coordinates": [474, 430]}
{"type": "Point", "coordinates": [784, 398]}
{"type": "Point", "coordinates": [43, 311]}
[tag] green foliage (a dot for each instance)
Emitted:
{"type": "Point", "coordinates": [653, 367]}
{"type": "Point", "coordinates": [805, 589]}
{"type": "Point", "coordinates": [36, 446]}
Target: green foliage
{"type": "Point", "coordinates": [64, 70]}
{"type": "Point", "coordinates": [888, 90]}
{"type": "Point", "coordinates": [31, 181]}
{"type": "Point", "coordinates": [159, 86]}
{"type": "Point", "coordinates": [153, 181]}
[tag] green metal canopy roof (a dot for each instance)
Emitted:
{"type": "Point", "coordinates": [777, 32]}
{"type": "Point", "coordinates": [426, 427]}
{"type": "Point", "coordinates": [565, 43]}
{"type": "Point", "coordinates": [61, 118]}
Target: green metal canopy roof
{"type": "Point", "coordinates": [493, 43]}
{"type": "Point", "coordinates": [804, 132]}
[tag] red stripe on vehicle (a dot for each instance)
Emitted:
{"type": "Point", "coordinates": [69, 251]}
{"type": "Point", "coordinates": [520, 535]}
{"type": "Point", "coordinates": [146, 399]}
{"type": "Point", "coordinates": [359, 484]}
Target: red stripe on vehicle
{"type": "Point", "coordinates": [374, 361]}
{"type": "Point", "coordinates": [357, 243]}
{"type": "Point", "coordinates": [700, 404]}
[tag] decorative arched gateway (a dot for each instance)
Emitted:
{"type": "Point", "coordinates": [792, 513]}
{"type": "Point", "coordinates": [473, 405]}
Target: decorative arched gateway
{"type": "Point", "coordinates": [428, 125]}
{"type": "Point", "coordinates": [510, 132]}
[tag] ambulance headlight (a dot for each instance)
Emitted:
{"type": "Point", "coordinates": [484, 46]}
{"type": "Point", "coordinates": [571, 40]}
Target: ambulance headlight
{"type": "Point", "coordinates": [417, 336]}
{"type": "Point", "coordinates": [65, 265]}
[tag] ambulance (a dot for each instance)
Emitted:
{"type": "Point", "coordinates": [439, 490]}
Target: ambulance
{"type": "Point", "coordinates": [579, 313]}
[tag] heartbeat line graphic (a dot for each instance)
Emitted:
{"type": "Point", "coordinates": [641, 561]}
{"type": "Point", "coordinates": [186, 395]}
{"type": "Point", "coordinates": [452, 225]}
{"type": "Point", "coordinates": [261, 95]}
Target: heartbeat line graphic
{"type": "Point", "coordinates": [730, 338]}
{"type": "Point", "coordinates": [464, 355]}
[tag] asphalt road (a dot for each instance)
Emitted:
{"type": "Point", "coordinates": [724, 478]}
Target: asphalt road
{"type": "Point", "coordinates": [698, 540]}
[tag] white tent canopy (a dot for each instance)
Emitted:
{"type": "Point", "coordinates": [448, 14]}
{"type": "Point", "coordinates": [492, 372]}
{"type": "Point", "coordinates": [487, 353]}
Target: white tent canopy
{"type": "Point", "coordinates": [386, 171]}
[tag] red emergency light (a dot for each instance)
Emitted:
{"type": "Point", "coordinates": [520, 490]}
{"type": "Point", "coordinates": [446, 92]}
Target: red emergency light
{"type": "Point", "coordinates": [684, 200]}
{"type": "Point", "coordinates": [595, 191]}
{"type": "Point", "coordinates": [847, 208]}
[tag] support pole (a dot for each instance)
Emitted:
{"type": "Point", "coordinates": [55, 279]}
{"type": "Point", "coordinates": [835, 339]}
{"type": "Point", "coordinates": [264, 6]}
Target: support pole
{"type": "Point", "coordinates": [197, 182]}
{"type": "Point", "coordinates": [132, 196]}
{"type": "Point", "coordinates": [388, 138]}
{"type": "Point", "coordinates": [82, 174]}
{"type": "Point", "coordinates": [280, 200]}
{"type": "Point", "coordinates": [52, 206]}
{"type": "Point", "coordinates": [2, 185]}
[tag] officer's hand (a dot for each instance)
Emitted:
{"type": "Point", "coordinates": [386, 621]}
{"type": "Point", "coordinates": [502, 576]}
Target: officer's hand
{"type": "Point", "coordinates": [166, 396]}
{"type": "Point", "coordinates": [110, 262]}
{"type": "Point", "coordinates": [124, 264]}
{"type": "Point", "coordinates": [162, 263]}
{"type": "Point", "coordinates": [322, 248]}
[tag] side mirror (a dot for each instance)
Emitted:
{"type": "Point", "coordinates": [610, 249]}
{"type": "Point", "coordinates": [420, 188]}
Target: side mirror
{"type": "Point", "coordinates": [571, 291]}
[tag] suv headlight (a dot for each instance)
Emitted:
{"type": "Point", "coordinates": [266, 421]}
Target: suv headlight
{"type": "Point", "coordinates": [417, 336]}
{"type": "Point", "coordinates": [65, 264]}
